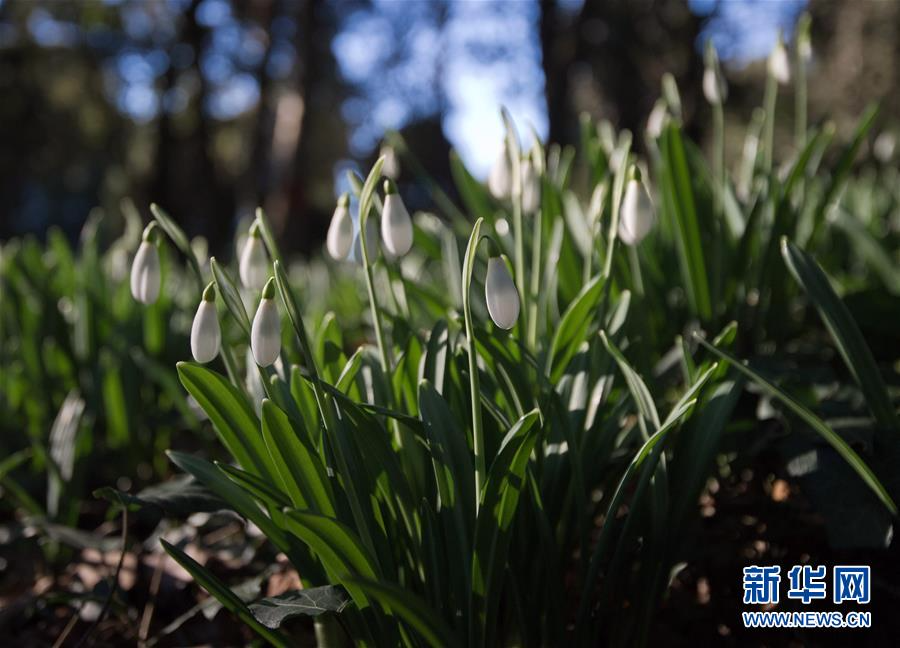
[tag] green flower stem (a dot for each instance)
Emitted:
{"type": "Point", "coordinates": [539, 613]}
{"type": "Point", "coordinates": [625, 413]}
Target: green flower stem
{"type": "Point", "coordinates": [535, 281]}
{"type": "Point", "coordinates": [519, 234]}
{"type": "Point", "coordinates": [383, 351]}
{"type": "Point", "coordinates": [636, 276]}
{"type": "Point", "coordinates": [769, 137]}
{"type": "Point", "coordinates": [474, 386]}
{"type": "Point", "coordinates": [718, 195]}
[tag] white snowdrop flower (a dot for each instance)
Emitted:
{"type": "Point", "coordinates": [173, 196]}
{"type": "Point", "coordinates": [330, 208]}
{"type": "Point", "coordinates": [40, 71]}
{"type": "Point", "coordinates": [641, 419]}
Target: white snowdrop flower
{"type": "Point", "coordinates": [715, 89]}
{"type": "Point", "coordinates": [254, 264]}
{"type": "Point", "coordinates": [884, 147]}
{"type": "Point", "coordinates": [206, 336]}
{"type": "Point", "coordinates": [396, 225]}
{"type": "Point", "coordinates": [500, 178]}
{"type": "Point", "coordinates": [265, 334]}
{"type": "Point", "coordinates": [779, 64]}
{"type": "Point", "coordinates": [657, 119]}
{"type": "Point", "coordinates": [636, 215]}
{"type": "Point", "coordinates": [340, 232]}
{"type": "Point", "coordinates": [145, 271]}
{"type": "Point", "coordinates": [371, 243]}
{"type": "Point", "coordinates": [531, 186]}
{"type": "Point", "coordinates": [500, 294]}
{"type": "Point", "coordinates": [390, 168]}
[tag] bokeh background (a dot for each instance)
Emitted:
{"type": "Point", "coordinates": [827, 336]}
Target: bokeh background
{"type": "Point", "coordinates": [212, 107]}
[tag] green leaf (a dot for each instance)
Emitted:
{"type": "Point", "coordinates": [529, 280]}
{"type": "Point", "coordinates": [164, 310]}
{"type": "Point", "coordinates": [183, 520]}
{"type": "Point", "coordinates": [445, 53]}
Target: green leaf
{"type": "Point", "coordinates": [573, 328]}
{"type": "Point", "coordinates": [603, 543]}
{"type": "Point", "coordinates": [338, 547]}
{"type": "Point", "coordinates": [267, 235]}
{"type": "Point", "coordinates": [230, 295]}
{"type": "Point", "coordinates": [499, 500]}
{"type": "Point", "coordinates": [230, 413]}
{"type": "Point", "coordinates": [844, 331]}
{"type": "Point", "coordinates": [274, 610]}
{"type": "Point", "coordinates": [179, 238]}
{"type": "Point", "coordinates": [473, 194]}
{"type": "Point", "coordinates": [179, 497]}
{"type": "Point", "coordinates": [411, 609]}
{"type": "Point", "coordinates": [301, 471]}
{"type": "Point", "coordinates": [817, 424]}
{"type": "Point", "coordinates": [229, 600]}
{"type": "Point", "coordinates": [235, 495]}
{"type": "Point", "coordinates": [678, 198]}
{"type": "Point", "coordinates": [639, 392]}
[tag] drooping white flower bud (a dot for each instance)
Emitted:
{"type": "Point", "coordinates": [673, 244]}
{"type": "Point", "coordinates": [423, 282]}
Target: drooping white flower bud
{"type": "Point", "coordinates": [340, 232]}
{"type": "Point", "coordinates": [391, 166]}
{"type": "Point", "coordinates": [500, 179]}
{"type": "Point", "coordinates": [884, 147]}
{"type": "Point", "coordinates": [779, 64]}
{"type": "Point", "coordinates": [715, 89]}
{"type": "Point", "coordinates": [636, 215]}
{"type": "Point", "coordinates": [371, 242]}
{"type": "Point", "coordinates": [396, 225]}
{"type": "Point", "coordinates": [657, 119]}
{"type": "Point", "coordinates": [206, 336]}
{"type": "Point", "coordinates": [254, 264]}
{"type": "Point", "coordinates": [500, 294]}
{"type": "Point", "coordinates": [531, 186]}
{"type": "Point", "coordinates": [265, 334]}
{"type": "Point", "coordinates": [145, 270]}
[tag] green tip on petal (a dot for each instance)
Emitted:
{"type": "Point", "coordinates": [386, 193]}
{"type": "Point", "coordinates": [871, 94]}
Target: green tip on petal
{"type": "Point", "coordinates": [344, 200]}
{"type": "Point", "coordinates": [209, 293]}
{"type": "Point", "coordinates": [269, 290]}
{"type": "Point", "coordinates": [389, 187]}
{"type": "Point", "coordinates": [635, 173]}
{"type": "Point", "coordinates": [255, 229]}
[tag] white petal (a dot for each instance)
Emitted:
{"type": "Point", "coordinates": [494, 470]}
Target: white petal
{"type": "Point", "coordinates": [265, 335]}
{"type": "Point", "coordinates": [714, 88]}
{"type": "Point", "coordinates": [145, 274]}
{"type": "Point", "coordinates": [636, 216]}
{"type": "Point", "coordinates": [500, 179]}
{"type": "Point", "coordinates": [254, 266]}
{"type": "Point", "coordinates": [340, 234]}
{"type": "Point", "coordinates": [779, 65]}
{"type": "Point", "coordinates": [531, 188]}
{"type": "Point", "coordinates": [657, 119]}
{"type": "Point", "coordinates": [396, 226]}
{"type": "Point", "coordinates": [500, 294]}
{"type": "Point", "coordinates": [206, 335]}
{"type": "Point", "coordinates": [391, 167]}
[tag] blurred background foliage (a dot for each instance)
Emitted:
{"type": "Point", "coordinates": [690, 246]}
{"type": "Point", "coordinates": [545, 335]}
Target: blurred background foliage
{"type": "Point", "coordinates": [212, 107]}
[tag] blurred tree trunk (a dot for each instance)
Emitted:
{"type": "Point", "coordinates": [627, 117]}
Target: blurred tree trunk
{"type": "Point", "coordinates": [856, 46]}
{"type": "Point", "coordinates": [608, 60]}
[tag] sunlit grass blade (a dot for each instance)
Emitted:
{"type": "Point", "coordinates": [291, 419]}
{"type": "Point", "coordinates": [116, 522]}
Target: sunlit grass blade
{"type": "Point", "coordinates": [678, 199]}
